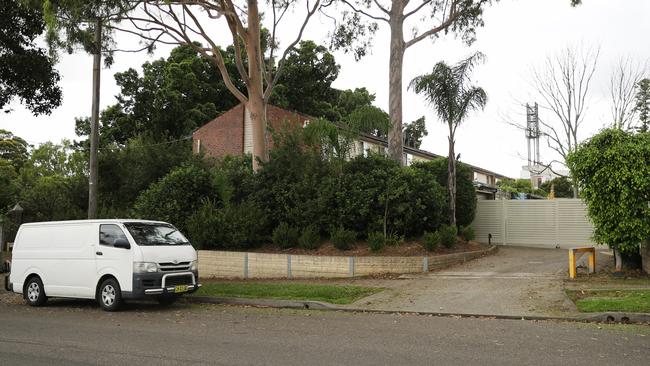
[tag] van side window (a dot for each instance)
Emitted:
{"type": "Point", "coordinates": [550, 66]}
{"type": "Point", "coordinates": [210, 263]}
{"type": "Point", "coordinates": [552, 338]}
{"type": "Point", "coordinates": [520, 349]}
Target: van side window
{"type": "Point", "coordinates": [109, 233]}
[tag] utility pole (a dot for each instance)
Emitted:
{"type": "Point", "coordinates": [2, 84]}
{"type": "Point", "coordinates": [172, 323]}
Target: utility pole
{"type": "Point", "coordinates": [94, 123]}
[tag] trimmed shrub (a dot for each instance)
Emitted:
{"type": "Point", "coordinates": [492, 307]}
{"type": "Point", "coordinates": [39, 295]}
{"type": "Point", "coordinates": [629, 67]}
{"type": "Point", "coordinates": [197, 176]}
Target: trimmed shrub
{"type": "Point", "coordinates": [430, 241]}
{"type": "Point", "coordinates": [176, 196]}
{"type": "Point", "coordinates": [285, 236]}
{"type": "Point", "coordinates": [310, 238]}
{"type": "Point", "coordinates": [232, 227]}
{"type": "Point", "coordinates": [448, 235]}
{"type": "Point", "coordinates": [467, 233]}
{"type": "Point", "coordinates": [376, 241]}
{"type": "Point", "coordinates": [343, 239]}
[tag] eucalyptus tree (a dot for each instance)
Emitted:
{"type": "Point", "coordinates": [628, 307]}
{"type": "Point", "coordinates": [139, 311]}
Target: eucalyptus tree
{"type": "Point", "coordinates": [428, 19]}
{"type": "Point", "coordinates": [204, 22]}
{"type": "Point", "coordinates": [449, 91]}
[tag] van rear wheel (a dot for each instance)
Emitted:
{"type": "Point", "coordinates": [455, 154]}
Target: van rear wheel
{"type": "Point", "coordinates": [109, 295]}
{"type": "Point", "coordinates": [34, 292]}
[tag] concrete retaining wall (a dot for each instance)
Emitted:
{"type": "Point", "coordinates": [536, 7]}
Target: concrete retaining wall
{"type": "Point", "coordinates": [262, 265]}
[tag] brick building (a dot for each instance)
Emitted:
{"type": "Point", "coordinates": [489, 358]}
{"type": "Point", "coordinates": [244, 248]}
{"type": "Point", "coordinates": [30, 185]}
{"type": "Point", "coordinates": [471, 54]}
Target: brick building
{"type": "Point", "coordinates": [230, 133]}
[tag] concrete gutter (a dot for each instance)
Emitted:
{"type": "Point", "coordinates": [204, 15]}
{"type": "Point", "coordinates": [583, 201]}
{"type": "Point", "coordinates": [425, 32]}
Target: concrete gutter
{"type": "Point", "coordinates": [606, 317]}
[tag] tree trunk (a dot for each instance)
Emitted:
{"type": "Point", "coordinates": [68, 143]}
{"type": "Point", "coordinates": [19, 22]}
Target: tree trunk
{"type": "Point", "coordinates": [94, 124]}
{"type": "Point", "coordinates": [451, 181]}
{"type": "Point", "coordinates": [256, 104]}
{"type": "Point", "coordinates": [396, 61]}
{"type": "Point", "coordinates": [618, 261]}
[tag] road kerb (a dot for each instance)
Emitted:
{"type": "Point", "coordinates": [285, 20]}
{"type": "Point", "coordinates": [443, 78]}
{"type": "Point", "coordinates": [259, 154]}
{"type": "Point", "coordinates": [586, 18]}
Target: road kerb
{"type": "Point", "coordinates": [605, 317]}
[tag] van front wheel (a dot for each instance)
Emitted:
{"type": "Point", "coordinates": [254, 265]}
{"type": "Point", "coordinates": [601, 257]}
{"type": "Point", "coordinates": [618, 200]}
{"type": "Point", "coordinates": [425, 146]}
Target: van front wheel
{"type": "Point", "coordinates": [109, 295]}
{"type": "Point", "coordinates": [34, 292]}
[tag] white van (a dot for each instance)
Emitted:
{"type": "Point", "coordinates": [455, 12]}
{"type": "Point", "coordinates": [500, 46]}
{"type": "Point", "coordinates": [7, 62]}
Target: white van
{"type": "Point", "coordinates": [106, 260]}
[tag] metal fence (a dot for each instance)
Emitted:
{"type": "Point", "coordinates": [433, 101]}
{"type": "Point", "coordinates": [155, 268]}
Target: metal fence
{"type": "Point", "coordinates": [537, 223]}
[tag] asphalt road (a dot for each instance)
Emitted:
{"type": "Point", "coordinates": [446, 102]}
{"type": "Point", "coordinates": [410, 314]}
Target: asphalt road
{"type": "Point", "coordinates": [78, 333]}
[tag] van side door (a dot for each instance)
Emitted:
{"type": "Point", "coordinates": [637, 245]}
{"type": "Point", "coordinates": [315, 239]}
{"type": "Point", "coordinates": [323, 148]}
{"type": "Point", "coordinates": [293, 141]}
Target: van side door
{"type": "Point", "coordinates": [114, 260]}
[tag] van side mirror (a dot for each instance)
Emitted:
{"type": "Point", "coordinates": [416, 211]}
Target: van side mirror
{"type": "Point", "coordinates": [121, 243]}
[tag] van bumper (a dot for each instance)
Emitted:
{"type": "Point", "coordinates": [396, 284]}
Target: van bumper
{"type": "Point", "coordinates": [160, 284]}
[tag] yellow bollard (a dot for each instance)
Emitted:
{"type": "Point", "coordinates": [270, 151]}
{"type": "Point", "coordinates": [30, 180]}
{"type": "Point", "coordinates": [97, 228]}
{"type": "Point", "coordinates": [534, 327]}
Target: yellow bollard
{"type": "Point", "coordinates": [572, 259]}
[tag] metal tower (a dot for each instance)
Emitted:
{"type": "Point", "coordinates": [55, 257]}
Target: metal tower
{"type": "Point", "coordinates": [532, 134]}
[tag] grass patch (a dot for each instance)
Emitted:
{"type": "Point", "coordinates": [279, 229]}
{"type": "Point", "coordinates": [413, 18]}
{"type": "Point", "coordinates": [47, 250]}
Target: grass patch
{"type": "Point", "coordinates": [637, 301]}
{"type": "Point", "coordinates": [288, 291]}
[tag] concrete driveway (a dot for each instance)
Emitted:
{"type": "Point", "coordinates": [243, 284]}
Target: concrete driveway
{"type": "Point", "coordinates": [514, 281]}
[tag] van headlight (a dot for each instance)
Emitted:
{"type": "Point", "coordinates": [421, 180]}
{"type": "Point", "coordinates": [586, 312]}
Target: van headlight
{"type": "Point", "coordinates": [145, 267]}
{"type": "Point", "coordinates": [194, 266]}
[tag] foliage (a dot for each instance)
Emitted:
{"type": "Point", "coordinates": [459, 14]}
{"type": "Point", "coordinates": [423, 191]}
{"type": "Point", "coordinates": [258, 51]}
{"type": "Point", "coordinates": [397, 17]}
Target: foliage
{"type": "Point", "coordinates": [467, 233]}
{"type": "Point", "coordinates": [13, 149]}
{"type": "Point", "coordinates": [465, 191]}
{"type": "Point", "coordinates": [562, 187]}
{"type": "Point", "coordinates": [285, 236]}
{"type": "Point", "coordinates": [343, 239]}
{"type": "Point", "coordinates": [305, 83]}
{"type": "Point", "coordinates": [240, 226]}
{"type": "Point", "coordinates": [9, 184]}
{"type": "Point", "coordinates": [448, 90]}
{"type": "Point", "coordinates": [612, 170]}
{"type": "Point", "coordinates": [350, 100]}
{"type": "Point", "coordinates": [430, 241]}
{"type": "Point", "coordinates": [448, 235]}
{"type": "Point", "coordinates": [71, 23]}
{"type": "Point", "coordinates": [26, 71]}
{"type": "Point", "coordinates": [310, 238]}
{"type": "Point", "coordinates": [293, 185]}
{"type": "Point", "coordinates": [368, 119]}
{"type": "Point", "coordinates": [124, 173]}
{"type": "Point", "coordinates": [414, 132]}
{"type": "Point", "coordinates": [376, 241]}
{"type": "Point", "coordinates": [176, 196]}
{"type": "Point", "coordinates": [167, 100]}
{"type": "Point", "coordinates": [394, 239]}
{"type": "Point", "coordinates": [642, 106]}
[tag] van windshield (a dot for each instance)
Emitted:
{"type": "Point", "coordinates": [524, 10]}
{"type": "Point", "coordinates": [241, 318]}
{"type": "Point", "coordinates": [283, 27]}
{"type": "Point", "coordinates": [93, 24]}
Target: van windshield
{"type": "Point", "coordinates": [155, 234]}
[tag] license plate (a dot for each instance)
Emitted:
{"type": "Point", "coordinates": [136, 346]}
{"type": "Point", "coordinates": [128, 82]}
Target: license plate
{"type": "Point", "coordinates": [181, 288]}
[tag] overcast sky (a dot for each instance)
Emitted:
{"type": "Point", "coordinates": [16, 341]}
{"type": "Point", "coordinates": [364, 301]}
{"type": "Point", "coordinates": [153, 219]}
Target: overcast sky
{"type": "Point", "coordinates": [517, 36]}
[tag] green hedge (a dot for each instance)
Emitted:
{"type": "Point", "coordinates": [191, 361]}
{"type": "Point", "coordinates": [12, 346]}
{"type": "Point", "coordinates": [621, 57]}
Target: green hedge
{"type": "Point", "coordinates": [299, 192]}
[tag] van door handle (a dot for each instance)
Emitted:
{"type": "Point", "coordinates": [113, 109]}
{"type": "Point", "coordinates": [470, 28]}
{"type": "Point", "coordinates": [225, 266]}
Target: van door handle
{"type": "Point", "coordinates": [99, 253]}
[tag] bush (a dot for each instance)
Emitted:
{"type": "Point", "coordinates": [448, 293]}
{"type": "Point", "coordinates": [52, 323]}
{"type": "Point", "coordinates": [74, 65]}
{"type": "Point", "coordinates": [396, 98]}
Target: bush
{"type": "Point", "coordinates": [430, 241]}
{"type": "Point", "coordinates": [465, 191]}
{"type": "Point", "coordinates": [394, 240]}
{"type": "Point", "coordinates": [376, 241]}
{"type": "Point", "coordinates": [448, 235]}
{"type": "Point", "coordinates": [232, 227]}
{"type": "Point", "coordinates": [343, 239]}
{"type": "Point", "coordinates": [291, 183]}
{"type": "Point", "coordinates": [467, 233]}
{"type": "Point", "coordinates": [310, 238]}
{"type": "Point", "coordinates": [285, 236]}
{"type": "Point", "coordinates": [176, 196]}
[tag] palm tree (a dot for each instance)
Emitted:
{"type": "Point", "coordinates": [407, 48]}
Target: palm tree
{"type": "Point", "coordinates": [448, 89]}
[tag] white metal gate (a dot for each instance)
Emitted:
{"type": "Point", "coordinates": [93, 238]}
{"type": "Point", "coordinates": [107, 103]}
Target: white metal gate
{"type": "Point", "coordinates": [538, 223]}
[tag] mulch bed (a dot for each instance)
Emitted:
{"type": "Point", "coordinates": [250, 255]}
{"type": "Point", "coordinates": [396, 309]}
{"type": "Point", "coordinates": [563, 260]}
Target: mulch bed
{"type": "Point", "coordinates": [360, 249]}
